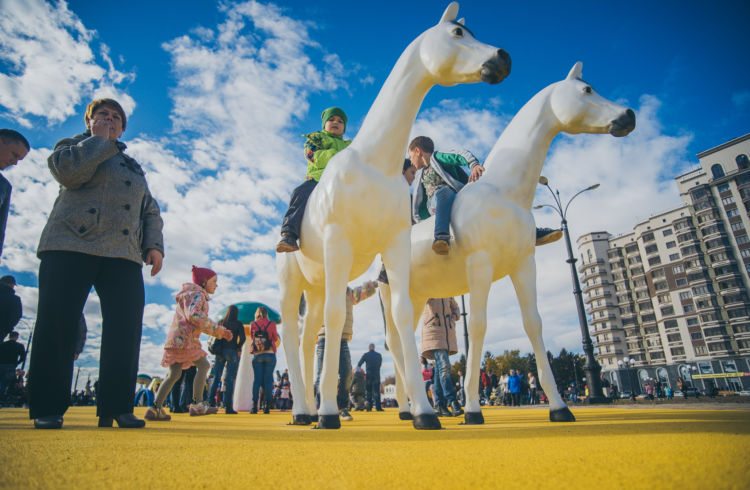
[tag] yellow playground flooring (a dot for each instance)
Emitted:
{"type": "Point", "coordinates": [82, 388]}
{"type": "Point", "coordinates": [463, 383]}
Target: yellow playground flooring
{"type": "Point", "coordinates": [605, 448]}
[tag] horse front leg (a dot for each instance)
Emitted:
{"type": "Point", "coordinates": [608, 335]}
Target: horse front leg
{"type": "Point", "coordinates": [394, 345]}
{"type": "Point", "coordinates": [338, 258]}
{"type": "Point", "coordinates": [524, 281]}
{"type": "Point", "coordinates": [479, 275]}
{"type": "Point", "coordinates": [290, 287]}
{"type": "Point", "coordinates": [396, 260]}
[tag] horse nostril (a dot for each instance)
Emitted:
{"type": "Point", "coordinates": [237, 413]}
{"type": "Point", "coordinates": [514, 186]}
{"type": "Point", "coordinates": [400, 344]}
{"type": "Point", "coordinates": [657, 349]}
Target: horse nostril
{"type": "Point", "coordinates": [504, 56]}
{"type": "Point", "coordinates": [630, 114]}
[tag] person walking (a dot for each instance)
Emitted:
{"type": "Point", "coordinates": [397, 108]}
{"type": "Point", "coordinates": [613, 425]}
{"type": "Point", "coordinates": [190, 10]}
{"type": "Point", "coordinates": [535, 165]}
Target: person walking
{"type": "Point", "coordinates": [265, 340]}
{"type": "Point", "coordinates": [11, 309]}
{"type": "Point", "coordinates": [183, 349]}
{"type": "Point", "coordinates": [12, 353]}
{"type": "Point", "coordinates": [13, 148]}
{"type": "Point", "coordinates": [372, 361]}
{"type": "Point", "coordinates": [438, 342]}
{"type": "Point", "coordinates": [228, 356]}
{"type": "Point", "coordinates": [514, 387]}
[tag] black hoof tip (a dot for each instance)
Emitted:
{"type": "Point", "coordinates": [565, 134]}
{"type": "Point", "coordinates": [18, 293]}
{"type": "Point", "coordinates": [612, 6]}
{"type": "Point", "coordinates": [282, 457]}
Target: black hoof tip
{"type": "Point", "coordinates": [427, 422]}
{"type": "Point", "coordinates": [405, 416]}
{"type": "Point", "coordinates": [561, 415]}
{"type": "Point", "coordinates": [473, 418]}
{"type": "Point", "coordinates": [303, 419]}
{"type": "Point", "coordinates": [329, 422]}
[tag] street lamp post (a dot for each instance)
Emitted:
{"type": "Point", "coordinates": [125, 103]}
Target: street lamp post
{"type": "Point", "coordinates": [592, 368]}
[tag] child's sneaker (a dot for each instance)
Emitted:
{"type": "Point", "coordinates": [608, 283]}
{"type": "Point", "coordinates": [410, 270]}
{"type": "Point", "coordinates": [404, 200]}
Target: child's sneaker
{"type": "Point", "coordinates": [154, 413]}
{"type": "Point", "coordinates": [441, 246]}
{"type": "Point", "coordinates": [345, 415]}
{"type": "Point", "coordinates": [547, 235]}
{"type": "Point", "coordinates": [201, 409]}
{"type": "Point", "coordinates": [288, 243]}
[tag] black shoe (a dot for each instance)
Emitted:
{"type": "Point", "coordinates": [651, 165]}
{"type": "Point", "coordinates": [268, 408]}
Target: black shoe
{"type": "Point", "coordinates": [229, 411]}
{"type": "Point", "coordinates": [266, 409]}
{"type": "Point", "coordinates": [49, 422]}
{"type": "Point", "coordinates": [254, 410]}
{"type": "Point", "coordinates": [442, 411]}
{"type": "Point", "coordinates": [547, 235]}
{"type": "Point", "coordinates": [124, 421]}
{"type": "Point", "coordinates": [457, 410]}
{"type": "Point", "coordinates": [288, 243]}
{"type": "Point", "coordinates": [379, 410]}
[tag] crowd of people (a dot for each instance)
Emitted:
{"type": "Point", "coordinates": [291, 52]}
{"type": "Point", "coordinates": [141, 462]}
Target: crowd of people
{"type": "Point", "coordinates": [105, 225]}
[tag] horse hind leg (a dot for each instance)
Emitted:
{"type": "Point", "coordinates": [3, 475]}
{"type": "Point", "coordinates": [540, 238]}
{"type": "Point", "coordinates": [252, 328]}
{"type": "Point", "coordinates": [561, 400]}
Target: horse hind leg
{"type": "Point", "coordinates": [313, 321]}
{"type": "Point", "coordinates": [394, 345]}
{"type": "Point", "coordinates": [524, 281]}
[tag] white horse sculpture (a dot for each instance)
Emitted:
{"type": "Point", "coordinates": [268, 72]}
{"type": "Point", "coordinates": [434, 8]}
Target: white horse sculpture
{"type": "Point", "coordinates": [495, 230]}
{"type": "Point", "coordinates": [361, 208]}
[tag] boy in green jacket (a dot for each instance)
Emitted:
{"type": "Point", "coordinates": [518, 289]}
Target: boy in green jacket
{"type": "Point", "coordinates": [320, 146]}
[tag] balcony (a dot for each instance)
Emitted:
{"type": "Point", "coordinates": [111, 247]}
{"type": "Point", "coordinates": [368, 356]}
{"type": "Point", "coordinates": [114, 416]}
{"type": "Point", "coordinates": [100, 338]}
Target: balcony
{"type": "Point", "coordinates": [586, 289]}
{"type": "Point", "coordinates": [594, 295]}
{"type": "Point", "coordinates": [590, 275]}
{"type": "Point", "coordinates": [583, 266]}
{"type": "Point", "coordinates": [605, 306]}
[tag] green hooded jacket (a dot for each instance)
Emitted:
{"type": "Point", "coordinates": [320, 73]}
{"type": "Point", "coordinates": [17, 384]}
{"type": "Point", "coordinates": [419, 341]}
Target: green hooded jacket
{"type": "Point", "coordinates": [320, 146]}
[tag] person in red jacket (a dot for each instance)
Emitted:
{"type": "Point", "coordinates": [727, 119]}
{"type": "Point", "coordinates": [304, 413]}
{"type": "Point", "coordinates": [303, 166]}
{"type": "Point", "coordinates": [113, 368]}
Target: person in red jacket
{"type": "Point", "coordinates": [265, 340]}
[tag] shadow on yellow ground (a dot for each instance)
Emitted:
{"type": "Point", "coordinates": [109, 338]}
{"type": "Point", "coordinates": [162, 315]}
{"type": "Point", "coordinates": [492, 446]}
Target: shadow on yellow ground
{"type": "Point", "coordinates": [606, 447]}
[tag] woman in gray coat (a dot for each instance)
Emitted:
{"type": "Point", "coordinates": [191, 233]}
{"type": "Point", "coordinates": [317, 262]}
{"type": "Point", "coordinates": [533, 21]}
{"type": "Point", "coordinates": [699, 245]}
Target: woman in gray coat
{"type": "Point", "coordinates": [104, 225]}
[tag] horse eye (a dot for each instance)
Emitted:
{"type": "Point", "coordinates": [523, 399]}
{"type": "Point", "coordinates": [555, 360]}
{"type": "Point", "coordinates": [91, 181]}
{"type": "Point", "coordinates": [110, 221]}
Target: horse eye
{"type": "Point", "coordinates": [587, 89]}
{"type": "Point", "coordinates": [458, 32]}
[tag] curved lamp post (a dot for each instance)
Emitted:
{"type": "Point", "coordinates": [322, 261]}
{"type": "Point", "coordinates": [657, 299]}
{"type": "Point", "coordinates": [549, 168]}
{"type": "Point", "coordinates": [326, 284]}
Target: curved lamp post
{"type": "Point", "coordinates": [592, 368]}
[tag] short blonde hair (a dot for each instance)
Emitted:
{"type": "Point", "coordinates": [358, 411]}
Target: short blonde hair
{"type": "Point", "coordinates": [93, 106]}
{"type": "Point", "coordinates": [261, 312]}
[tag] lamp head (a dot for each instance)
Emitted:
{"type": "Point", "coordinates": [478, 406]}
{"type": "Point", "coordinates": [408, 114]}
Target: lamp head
{"type": "Point", "coordinates": [543, 180]}
{"type": "Point", "coordinates": [591, 188]}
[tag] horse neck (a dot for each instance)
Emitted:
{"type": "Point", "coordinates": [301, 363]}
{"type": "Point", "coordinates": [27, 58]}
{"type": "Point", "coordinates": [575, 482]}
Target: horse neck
{"type": "Point", "coordinates": [386, 128]}
{"type": "Point", "coordinates": [515, 162]}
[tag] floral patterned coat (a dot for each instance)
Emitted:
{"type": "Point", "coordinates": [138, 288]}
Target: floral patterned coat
{"type": "Point", "coordinates": [190, 320]}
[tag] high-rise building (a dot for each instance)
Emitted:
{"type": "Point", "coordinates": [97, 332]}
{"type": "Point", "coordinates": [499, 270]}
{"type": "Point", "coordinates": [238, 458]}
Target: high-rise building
{"type": "Point", "coordinates": [669, 300]}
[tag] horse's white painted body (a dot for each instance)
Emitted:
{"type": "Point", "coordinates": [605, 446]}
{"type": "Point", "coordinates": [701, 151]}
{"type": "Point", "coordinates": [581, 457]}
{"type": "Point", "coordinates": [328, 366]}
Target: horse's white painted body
{"type": "Point", "coordinates": [361, 208]}
{"type": "Point", "coordinates": [494, 228]}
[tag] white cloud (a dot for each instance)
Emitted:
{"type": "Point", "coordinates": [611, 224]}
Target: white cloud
{"type": "Point", "coordinates": [52, 64]}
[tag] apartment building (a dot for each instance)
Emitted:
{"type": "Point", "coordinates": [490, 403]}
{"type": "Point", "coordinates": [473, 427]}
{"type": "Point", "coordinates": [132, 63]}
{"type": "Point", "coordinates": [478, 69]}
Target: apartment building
{"type": "Point", "coordinates": [670, 299]}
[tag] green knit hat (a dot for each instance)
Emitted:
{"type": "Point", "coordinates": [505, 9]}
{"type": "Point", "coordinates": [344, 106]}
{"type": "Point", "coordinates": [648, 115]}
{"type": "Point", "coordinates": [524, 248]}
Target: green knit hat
{"type": "Point", "coordinates": [333, 111]}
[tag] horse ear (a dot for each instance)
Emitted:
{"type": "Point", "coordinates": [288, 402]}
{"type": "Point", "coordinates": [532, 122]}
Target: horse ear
{"type": "Point", "coordinates": [575, 72]}
{"type": "Point", "coordinates": [450, 13]}
{"type": "Point", "coordinates": [461, 21]}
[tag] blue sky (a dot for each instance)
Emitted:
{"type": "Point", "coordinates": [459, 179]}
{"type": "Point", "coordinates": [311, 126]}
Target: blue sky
{"type": "Point", "coordinates": [219, 93]}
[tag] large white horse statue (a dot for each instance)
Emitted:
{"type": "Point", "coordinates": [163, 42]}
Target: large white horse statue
{"type": "Point", "coordinates": [361, 208]}
{"type": "Point", "coordinates": [495, 231]}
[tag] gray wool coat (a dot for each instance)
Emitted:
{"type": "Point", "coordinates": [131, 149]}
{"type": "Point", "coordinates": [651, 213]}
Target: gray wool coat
{"type": "Point", "coordinates": [104, 207]}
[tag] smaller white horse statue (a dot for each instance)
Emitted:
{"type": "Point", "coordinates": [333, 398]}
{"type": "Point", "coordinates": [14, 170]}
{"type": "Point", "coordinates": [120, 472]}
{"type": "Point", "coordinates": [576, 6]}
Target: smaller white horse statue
{"type": "Point", "coordinates": [360, 208]}
{"type": "Point", "coordinates": [495, 230]}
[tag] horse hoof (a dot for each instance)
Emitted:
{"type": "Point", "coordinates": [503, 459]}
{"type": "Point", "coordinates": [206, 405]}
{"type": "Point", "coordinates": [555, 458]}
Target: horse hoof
{"type": "Point", "coordinates": [329, 422]}
{"type": "Point", "coordinates": [561, 415]}
{"type": "Point", "coordinates": [473, 418]}
{"type": "Point", "coordinates": [314, 417]}
{"type": "Point", "coordinates": [405, 416]}
{"type": "Point", "coordinates": [427, 422]}
{"type": "Point", "coordinates": [303, 419]}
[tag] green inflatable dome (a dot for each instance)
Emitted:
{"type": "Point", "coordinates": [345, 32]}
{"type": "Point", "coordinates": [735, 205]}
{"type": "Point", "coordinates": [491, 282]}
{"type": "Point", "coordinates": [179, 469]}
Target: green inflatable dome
{"type": "Point", "coordinates": [247, 312]}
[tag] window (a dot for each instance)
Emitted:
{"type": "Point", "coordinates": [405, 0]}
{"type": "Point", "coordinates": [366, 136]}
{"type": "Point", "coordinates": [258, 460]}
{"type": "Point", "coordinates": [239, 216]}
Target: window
{"type": "Point", "coordinates": [654, 261]}
{"type": "Point", "coordinates": [666, 232]}
{"type": "Point", "coordinates": [667, 310]}
{"type": "Point", "coordinates": [678, 269]}
{"type": "Point", "coordinates": [723, 187]}
{"type": "Point", "coordinates": [670, 323]}
{"type": "Point", "coordinates": [677, 351]}
{"type": "Point", "coordinates": [701, 350]}
{"type": "Point", "coordinates": [696, 335]}
{"type": "Point", "coordinates": [745, 252]}
{"type": "Point", "coordinates": [631, 248]}
{"type": "Point", "coordinates": [698, 290]}
{"type": "Point", "coordinates": [664, 298]}
{"type": "Point", "coordinates": [742, 162]}
{"type": "Point", "coordinates": [674, 337]}
{"type": "Point", "coordinates": [648, 237]}
{"type": "Point", "coordinates": [673, 257]}
{"type": "Point", "coordinates": [652, 248]}
{"type": "Point", "coordinates": [685, 295]}
{"type": "Point", "coordinates": [733, 212]}
{"type": "Point", "coordinates": [681, 282]}
{"type": "Point", "coordinates": [741, 240]}
{"type": "Point", "coordinates": [671, 244]}
{"type": "Point", "coordinates": [691, 322]}
{"type": "Point", "coordinates": [697, 195]}
{"type": "Point", "coordinates": [727, 200]}
{"type": "Point", "coordinates": [688, 308]}
{"type": "Point", "coordinates": [717, 171]}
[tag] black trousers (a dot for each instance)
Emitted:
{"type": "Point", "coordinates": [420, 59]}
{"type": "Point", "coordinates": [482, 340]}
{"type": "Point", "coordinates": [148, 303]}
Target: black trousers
{"type": "Point", "coordinates": [65, 279]}
{"type": "Point", "coordinates": [293, 217]}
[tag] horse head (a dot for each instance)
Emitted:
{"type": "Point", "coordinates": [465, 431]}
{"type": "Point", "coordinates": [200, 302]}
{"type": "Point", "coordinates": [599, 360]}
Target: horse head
{"type": "Point", "coordinates": [451, 54]}
{"type": "Point", "coordinates": [579, 109]}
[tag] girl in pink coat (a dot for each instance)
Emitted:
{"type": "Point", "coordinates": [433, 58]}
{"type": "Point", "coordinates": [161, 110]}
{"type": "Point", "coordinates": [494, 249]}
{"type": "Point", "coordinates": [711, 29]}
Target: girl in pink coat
{"type": "Point", "coordinates": [183, 349]}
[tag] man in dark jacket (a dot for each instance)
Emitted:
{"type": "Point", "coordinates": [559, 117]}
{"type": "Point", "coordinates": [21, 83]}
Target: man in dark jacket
{"type": "Point", "coordinates": [12, 353]}
{"type": "Point", "coordinates": [372, 361]}
{"type": "Point", "coordinates": [13, 149]}
{"type": "Point", "coordinates": [10, 306]}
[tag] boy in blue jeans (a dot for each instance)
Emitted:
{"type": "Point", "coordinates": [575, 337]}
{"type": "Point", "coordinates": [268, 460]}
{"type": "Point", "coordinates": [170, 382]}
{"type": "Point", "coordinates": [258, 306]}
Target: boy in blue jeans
{"type": "Point", "coordinates": [439, 177]}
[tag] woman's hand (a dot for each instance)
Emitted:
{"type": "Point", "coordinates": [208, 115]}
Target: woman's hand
{"type": "Point", "coordinates": [100, 127]}
{"type": "Point", "coordinates": [154, 258]}
{"type": "Point", "coordinates": [227, 335]}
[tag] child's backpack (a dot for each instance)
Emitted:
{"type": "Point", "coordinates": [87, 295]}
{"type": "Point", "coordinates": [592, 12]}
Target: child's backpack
{"type": "Point", "coordinates": [261, 340]}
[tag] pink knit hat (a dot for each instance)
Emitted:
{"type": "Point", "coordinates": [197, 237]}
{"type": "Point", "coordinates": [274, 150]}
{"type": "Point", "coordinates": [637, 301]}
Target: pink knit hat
{"type": "Point", "coordinates": [201, 275]}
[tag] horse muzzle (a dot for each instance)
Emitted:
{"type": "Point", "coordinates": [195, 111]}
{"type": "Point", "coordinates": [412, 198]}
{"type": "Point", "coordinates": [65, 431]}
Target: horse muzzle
{"type": "Point", "coordinates": [497, 68]}
{"type": "Point", "coordinates": [623, 125]}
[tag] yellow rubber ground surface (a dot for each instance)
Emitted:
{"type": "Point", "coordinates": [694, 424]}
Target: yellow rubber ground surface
{"type": "Point", "coordinates": [605, 448]}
